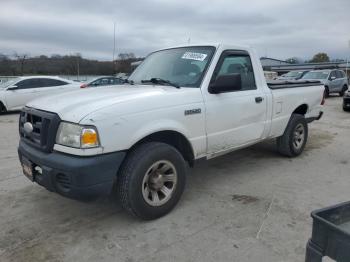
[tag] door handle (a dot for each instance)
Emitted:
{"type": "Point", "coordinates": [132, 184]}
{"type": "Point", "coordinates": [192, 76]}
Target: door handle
{"type": "Point", "coordinates": [259, 99]}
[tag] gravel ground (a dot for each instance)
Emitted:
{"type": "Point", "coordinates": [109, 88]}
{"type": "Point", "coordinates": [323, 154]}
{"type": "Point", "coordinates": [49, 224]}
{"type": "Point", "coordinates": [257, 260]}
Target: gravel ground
{"type": "Point", "coordinates": [250, 205]}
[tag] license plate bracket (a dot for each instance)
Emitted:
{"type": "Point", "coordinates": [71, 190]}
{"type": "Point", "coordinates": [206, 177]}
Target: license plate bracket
{"type": "Point", "coordinates": [28, 168]}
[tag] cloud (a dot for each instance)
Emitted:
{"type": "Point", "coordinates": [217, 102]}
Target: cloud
{"type": "Point", "coordinates": [279, 29]}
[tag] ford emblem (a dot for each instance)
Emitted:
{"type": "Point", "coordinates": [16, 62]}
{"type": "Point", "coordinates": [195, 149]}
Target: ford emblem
{"type": "Point", "coordinates": [28, 127]}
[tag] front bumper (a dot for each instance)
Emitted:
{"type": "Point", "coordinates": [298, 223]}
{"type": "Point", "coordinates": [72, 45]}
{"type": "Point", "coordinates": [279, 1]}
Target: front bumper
{"type": "Point", "coordinates": [73, 176]}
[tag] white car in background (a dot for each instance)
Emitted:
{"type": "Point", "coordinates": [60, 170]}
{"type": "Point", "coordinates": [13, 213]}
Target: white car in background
{"type": "Point", "coordinates": [15, 93]}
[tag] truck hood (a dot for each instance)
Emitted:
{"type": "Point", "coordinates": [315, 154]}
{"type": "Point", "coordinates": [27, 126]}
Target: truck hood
{"type": "Point", "coordinates": [73, 106]}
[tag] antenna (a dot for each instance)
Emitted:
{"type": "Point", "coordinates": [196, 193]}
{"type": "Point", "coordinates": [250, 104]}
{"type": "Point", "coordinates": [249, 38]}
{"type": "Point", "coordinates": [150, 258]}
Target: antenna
{"type": "Point", "coordinates": [113, 43]}
{"type": "Point", "coordinates": [347, 63]}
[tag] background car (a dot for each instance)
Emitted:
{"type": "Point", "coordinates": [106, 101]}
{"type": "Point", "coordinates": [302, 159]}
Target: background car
{"type": "Point", "coordinates": [292, 75]}
{"type": "Point", "coordinates": [334, 81]}
{"type": "Point", "coordinates": [104, 81]}
{"type": "Point", "coordinates": [15, 93]}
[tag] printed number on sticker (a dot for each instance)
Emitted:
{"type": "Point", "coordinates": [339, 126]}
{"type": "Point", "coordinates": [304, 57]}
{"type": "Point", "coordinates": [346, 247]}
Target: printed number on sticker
{"type": "Point", "coordinates": [194, 56]}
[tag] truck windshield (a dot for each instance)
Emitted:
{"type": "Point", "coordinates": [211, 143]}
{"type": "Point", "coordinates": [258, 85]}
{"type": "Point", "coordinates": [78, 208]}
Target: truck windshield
{"type": "Point", "coordinates": [183, 66]}
{"type": "Point", "coordinates": [316, 75]}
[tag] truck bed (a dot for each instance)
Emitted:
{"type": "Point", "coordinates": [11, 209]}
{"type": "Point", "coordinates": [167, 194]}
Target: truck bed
{"type": "Point", "coordinates": [280, 84]}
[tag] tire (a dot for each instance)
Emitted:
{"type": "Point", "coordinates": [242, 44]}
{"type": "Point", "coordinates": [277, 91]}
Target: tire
{"type": "Point", "coordinates": [2, 108]}
{"type": "Point", "coordinates": [142, 172]}
{"type": "Point", "coordinates": [291, 144]}
{"type": "Point", "coordinates": [326, 89]}
{"type": "Point", "coordinates": [342, 92]}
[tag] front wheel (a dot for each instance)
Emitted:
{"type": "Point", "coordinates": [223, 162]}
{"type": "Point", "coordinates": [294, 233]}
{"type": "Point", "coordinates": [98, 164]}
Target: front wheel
{"type": "Point", "coordinates": [342, 92]}
{"type": "Point", "coordinates": [293, 140]}
{"type": "Point", "coordinates": [151, 180]}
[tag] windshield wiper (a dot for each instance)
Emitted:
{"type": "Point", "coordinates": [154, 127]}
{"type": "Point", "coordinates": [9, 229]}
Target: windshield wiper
{"type": "Point", "coordinates": [160, 81]}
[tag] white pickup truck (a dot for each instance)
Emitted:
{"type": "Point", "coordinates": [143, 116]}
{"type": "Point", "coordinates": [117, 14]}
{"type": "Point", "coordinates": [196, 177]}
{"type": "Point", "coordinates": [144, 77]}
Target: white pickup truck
{"type": "Point", "coordinates": [180, 105]}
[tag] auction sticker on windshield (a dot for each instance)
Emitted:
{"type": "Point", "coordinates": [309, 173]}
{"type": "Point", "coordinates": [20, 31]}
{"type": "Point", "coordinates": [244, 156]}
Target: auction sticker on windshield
{"type": "Point", "coordinates": [194, 56]}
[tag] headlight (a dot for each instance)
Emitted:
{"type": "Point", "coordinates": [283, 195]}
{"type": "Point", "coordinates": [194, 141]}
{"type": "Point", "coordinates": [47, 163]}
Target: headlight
{"type": "Point", "coordinates": [74, 135]}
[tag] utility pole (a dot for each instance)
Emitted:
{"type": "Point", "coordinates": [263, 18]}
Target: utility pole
{"type": "Point", "coordinates": [78, 69]}
{"type": "Point", "coordinates": [113, 61]}
{"type": "Point", "coordinates": [347, 62]}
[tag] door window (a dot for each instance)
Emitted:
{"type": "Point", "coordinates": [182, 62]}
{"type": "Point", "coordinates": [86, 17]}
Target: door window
{"type": "Point", "coordinates": [105, 81]}
{"type": "Point", "coordinates": [333, 74]}
{"type": "Point", "coordinates": [29, 83]}
{"type": "Point", "coordinates": [116, 81]}
{"type": "Point", "coordinates": [237, 64]}
{"type": "Point", "coordinates": [340, 74]}
{"type": "Point", "coordinates": [45, 82]}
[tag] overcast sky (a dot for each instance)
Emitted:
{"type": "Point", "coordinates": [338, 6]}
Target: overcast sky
{"type": "Point", "coordinates": [276, 28]}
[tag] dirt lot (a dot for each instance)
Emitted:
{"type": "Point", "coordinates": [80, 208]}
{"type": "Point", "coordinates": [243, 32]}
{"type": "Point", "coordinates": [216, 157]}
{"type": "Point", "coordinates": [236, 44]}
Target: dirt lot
{"type": "Point", "coordinates": [251, 205]}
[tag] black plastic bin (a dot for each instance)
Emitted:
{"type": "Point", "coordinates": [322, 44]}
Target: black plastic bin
{"type": "Point", "coordinates": [330, 234]}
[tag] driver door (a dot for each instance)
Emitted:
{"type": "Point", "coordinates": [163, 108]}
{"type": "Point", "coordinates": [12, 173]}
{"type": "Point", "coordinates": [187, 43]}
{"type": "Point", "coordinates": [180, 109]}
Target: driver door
{"type": "Point", "coordinates": [235, 118]}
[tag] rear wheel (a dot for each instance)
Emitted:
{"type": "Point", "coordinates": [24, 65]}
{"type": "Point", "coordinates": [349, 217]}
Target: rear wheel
{"type": "Point", "coordinates": [342, 92]}
{"type": "Point", "coordinates": [151, 180]}
{"type": "Point", "coordinates": [293, 141]}
{"type": "Point", "coordinates": [326, 89]}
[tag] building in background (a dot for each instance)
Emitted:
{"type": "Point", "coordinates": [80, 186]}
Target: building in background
{"type": "Point", "coordinates": [268, 62]}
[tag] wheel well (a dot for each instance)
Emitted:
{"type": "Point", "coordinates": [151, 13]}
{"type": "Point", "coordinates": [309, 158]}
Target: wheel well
{"type": "Point", "coordinates": [175, 139]}
{"type": "Point", "coordinates": [301, 110]}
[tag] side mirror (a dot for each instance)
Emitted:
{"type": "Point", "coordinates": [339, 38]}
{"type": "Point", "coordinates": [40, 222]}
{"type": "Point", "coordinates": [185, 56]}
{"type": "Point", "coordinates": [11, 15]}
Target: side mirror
{"type": "Point", "coordinates": [12, 88]}
{"type": "Point", "coordinates": [333, 78]}
{"type": "Point", "coordinates": [226, 83]}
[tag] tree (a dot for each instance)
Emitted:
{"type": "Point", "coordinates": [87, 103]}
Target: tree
{"type": "Point", "coordinates": [320, 58]}
{"type": "Point", "coordinates": [21, 58]}
{"type": "Point", "coordinates": [123, 64]}
{"type": "Point", "coordinates": [6, 68]}
{"type": "Point", "coordinates": [294, 60]}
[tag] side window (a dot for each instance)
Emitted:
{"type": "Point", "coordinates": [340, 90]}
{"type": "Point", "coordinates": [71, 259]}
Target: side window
{"type": "Point", "coordinates": [45, 82]}
{"type": "Point", "coordinates": [23, 84]}
{"type": "Point", "coordinates": [116, 81]}
{"type": "Point", "coordinates": [340, 74]}
{"type": "Point", "coordinates": [333, 74]}
{"type": "Point", "coordinates": [29, 83]}
{"type": "Point", "coordinates": [55, 82]}
{"type": "Point", "coordinates": [104, 81]}
{"type": "Point", "coordinates": [96, 82]}
{"type": "Point", "coordinates": [238, 64]}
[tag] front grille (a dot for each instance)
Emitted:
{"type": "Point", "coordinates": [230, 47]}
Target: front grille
{"type": "Point", "coordinates": [44, 127]}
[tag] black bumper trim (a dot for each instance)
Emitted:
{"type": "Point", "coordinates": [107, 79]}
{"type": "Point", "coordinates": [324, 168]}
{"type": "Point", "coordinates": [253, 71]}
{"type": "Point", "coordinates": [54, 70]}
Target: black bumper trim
{"type": "Point", "coordinates": [311, 119]}
{"type": "Point", "coordinates": [88, 176]}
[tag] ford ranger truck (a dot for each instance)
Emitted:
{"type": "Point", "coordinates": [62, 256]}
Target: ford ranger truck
{"type": "Point", "coordinates": [139, 139]}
